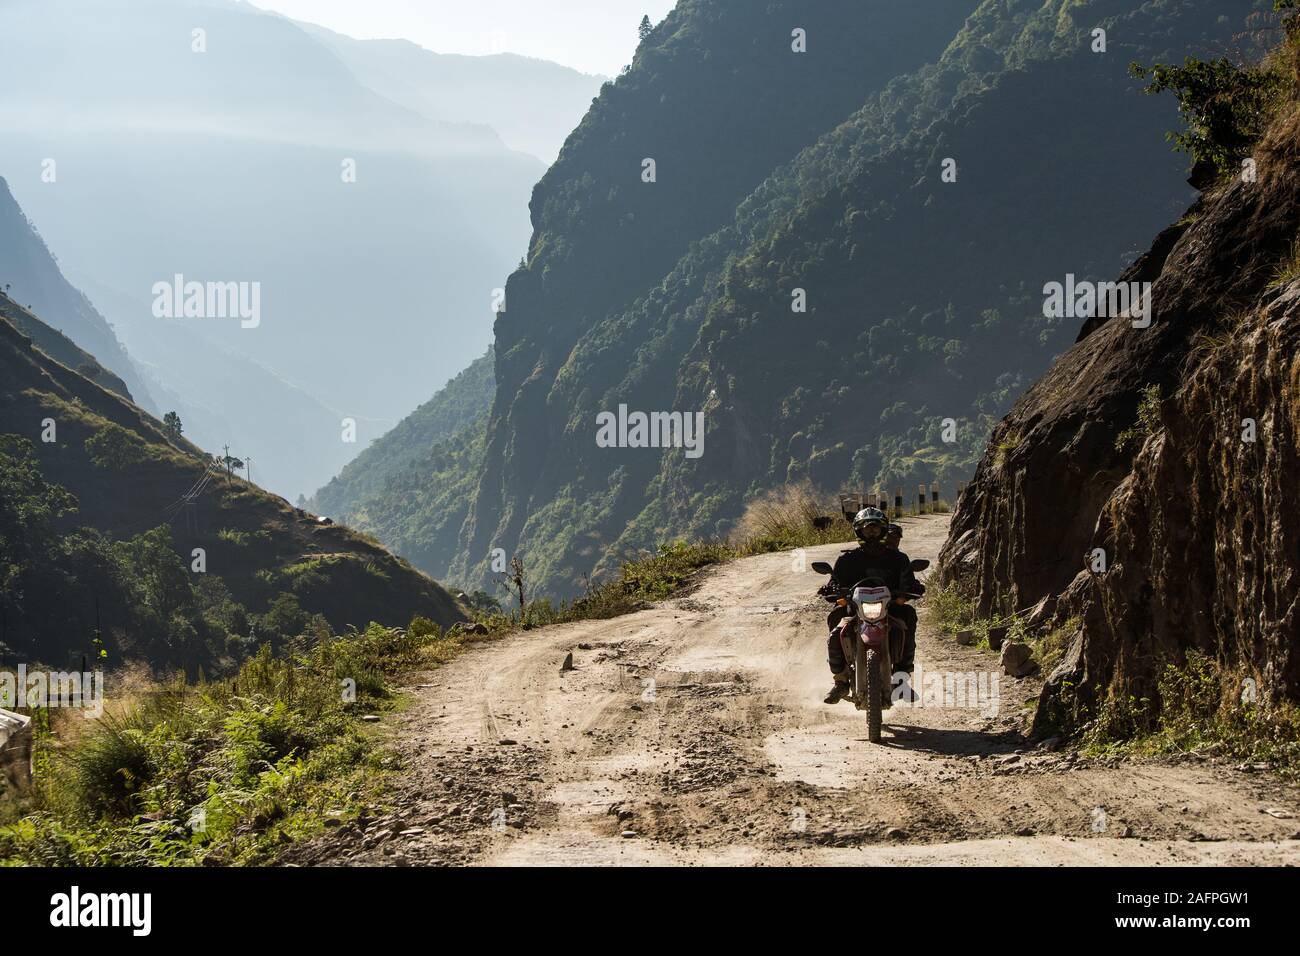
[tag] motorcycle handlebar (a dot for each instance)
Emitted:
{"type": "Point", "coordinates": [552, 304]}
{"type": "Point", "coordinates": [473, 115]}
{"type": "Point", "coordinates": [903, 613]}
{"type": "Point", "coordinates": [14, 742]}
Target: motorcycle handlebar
{"type": "Point", "coordinates": [838, 594]}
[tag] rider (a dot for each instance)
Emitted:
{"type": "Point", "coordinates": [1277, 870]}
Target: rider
{"type": "Point", "coordinates": [901, 609]}
{"type": "Point", "coordinates": [872, 558]}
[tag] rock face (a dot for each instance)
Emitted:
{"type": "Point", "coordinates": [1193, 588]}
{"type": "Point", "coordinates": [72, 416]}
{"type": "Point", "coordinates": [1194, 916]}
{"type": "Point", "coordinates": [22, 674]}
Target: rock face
{"type": "Point", "coordinates": [1143, 492]}
{"type": "Point", "coordinates": [15, 750]}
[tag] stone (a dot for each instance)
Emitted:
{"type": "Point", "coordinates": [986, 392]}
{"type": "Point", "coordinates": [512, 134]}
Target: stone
{"type": "Point", "coordinates": [15, 750]}
{"type": "Point", "coordinates": [1017, 659]}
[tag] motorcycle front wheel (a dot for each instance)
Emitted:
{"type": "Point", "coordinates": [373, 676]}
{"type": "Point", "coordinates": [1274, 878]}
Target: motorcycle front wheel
{"type": "Point", "coordinates": [867, 676]}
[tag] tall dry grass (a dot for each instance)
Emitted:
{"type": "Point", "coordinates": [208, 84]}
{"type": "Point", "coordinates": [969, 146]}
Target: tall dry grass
{"type": "Point", "coordinates": [788, 517]}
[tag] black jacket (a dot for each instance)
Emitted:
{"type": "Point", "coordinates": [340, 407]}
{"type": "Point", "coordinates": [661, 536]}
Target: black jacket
{"type": "Point", "coordinates": [867, 561]}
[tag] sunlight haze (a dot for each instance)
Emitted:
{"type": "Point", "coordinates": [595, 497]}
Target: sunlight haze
{"type": "Point", "coordinates": [594, 36]}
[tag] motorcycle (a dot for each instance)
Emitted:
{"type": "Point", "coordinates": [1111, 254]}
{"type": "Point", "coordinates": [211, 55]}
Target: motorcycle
{"type": "Point", "coordinates": [872, 639]}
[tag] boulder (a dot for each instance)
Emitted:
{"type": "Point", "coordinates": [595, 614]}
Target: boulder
{"type": "Point", "coordinates": [15, 750]}
{"type": "Point", "coordinates": [996, 636]}
{"type": "Point", "coordinates": [1017, 659]}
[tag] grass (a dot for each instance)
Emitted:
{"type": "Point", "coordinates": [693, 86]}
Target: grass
{"type": "Point", "coordinates": [240, 539]}
{"type": "Point", "coordinates": [781, 519]}
{"type": "Point", "coordinates": [955, 609]}
{"type": "Point", "coordinates": [221, 772]}
{"type": "Point", "coordinates": [1203, 708]}
{"type": "Point", "coordinates": [1148, 420]}
{"type": "Point", "coordinates": [1288, 269]}
{"type": "Point", "coordinates": [1003, 450]}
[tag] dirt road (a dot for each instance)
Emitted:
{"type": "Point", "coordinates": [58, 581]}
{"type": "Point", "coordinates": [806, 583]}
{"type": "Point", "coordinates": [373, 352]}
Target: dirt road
{"type": "Point", "coordinates": [694, 733]}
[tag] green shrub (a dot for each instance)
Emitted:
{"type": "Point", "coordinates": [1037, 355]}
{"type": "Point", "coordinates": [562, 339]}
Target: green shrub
{"type": "Point", "coordinates": [116, 448]}
{"type": "Point", "coordinates": [1226, 107]}
{"type": "Point", "coordinates": [227, 771]}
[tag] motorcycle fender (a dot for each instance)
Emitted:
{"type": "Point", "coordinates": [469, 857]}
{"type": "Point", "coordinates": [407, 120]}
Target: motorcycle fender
{"type": "Point", "coordinates": [874, 634]}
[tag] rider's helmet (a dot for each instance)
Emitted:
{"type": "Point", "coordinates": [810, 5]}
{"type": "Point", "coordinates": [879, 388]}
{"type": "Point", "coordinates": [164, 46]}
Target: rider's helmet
{"type": "Point", "coordinates": [870, 524]}
{"type": "Point", "coordinates": [893, 535]}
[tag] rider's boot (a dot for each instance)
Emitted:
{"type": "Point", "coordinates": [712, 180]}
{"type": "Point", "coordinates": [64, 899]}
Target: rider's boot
{"type": "Point", "coordinates": [838, 692]}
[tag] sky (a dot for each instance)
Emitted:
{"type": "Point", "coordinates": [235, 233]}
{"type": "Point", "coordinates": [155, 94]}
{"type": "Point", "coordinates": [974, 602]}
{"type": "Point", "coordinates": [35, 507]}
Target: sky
{"type": "Point", "coordinates": [594, 36]}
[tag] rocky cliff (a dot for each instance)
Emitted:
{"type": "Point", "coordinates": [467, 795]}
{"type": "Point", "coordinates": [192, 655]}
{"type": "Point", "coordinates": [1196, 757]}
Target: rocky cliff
{"type": "Point", "coordinates": [1142, 494]}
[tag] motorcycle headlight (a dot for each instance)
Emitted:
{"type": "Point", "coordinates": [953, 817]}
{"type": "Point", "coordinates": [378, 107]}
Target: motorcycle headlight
{"type": "Point", "coordinates": [874, 611]}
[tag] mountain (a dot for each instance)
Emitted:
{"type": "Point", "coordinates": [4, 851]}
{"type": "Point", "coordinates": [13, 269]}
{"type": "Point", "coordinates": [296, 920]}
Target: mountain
{"type": "Point", "coordinates": [922, 315]}
{"type": "Point", "coordinates": [225, 398]}
{"type": "Point", "coordinates": [234, 165]}
{"type": "Point", "coordinates": [1138, 502]}
{"type": "Point", "coordinates": [59, 347]}
{"type": "Point", "coordinates": [412, 488]}
{"type": "Point", "coordinates": [461, 403]}
{"type": "Point", "coordinates": [533, 104]}
{"type": "Point", "coordinates": [103, 512]}
{"type": "Point", "coordinates": [30, 274]}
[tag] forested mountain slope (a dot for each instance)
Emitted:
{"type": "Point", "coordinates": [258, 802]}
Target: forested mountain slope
{"type": "Point", "coordinates": [103, 511]}
{"type": "Point", "coordinates": [460, 404]}
{"type": "Point", "coordinates": [59, 347]}
{"type": "Point", "coordinates": [814, 183]}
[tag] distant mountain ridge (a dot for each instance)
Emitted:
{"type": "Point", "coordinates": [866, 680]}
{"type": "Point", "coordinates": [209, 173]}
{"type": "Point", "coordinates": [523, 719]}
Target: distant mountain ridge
{"type": "Point", "coordinates": [30, 274]}
{"type": "Point", "coordinates": [533, 104]}
{"type": "Point", "coordinates": [461, 403]}
{"type": "Point", "coordinates": [412, 487]}
{"type": "Point", "coordinates": [377, 234]}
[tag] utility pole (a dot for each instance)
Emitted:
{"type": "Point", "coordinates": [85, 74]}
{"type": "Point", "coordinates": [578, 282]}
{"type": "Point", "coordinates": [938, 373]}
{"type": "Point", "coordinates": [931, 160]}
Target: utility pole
{"type": "Point", "coordinates": [225, 450]}
{"type": "Point", "coordinates": [248, 470]}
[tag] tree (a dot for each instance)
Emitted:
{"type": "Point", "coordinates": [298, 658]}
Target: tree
{"type": "Point", "coordinates": [1226, 107]}
{"type": "Point", "coordinates": [230, 463]}
{"type": "Point", "coordinates": [645, 29]}
{"type": "Point", "coordinates": [29, 507]}
{"type": "Point", "coordinates": [116, 447]}
{"type": "Point", "coordinates": [516, 577]}
{"type": "Point", "coordinates": [172, 426]}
